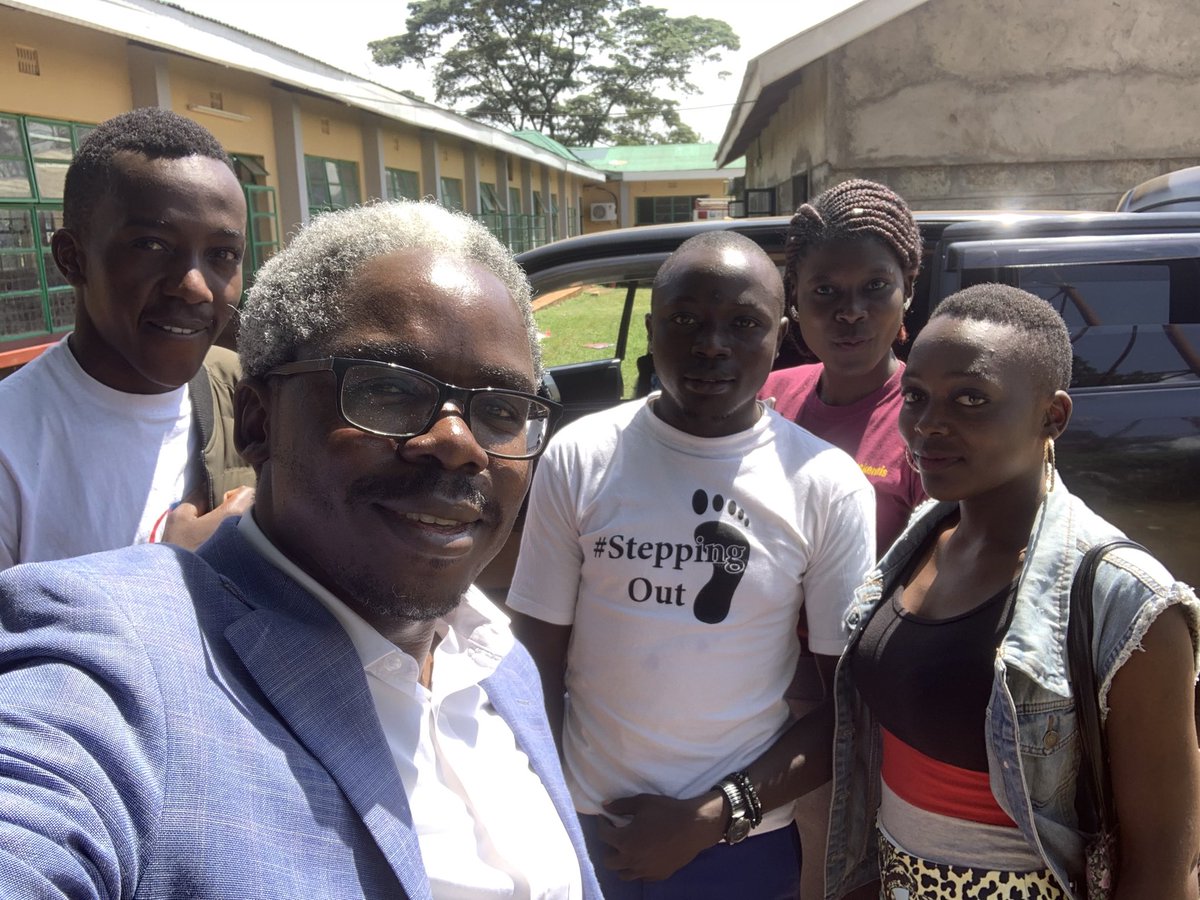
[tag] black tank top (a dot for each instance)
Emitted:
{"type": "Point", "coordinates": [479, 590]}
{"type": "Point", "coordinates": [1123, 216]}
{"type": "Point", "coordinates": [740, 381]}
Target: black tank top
{"type": "Point", "coordinates": [928, 680]}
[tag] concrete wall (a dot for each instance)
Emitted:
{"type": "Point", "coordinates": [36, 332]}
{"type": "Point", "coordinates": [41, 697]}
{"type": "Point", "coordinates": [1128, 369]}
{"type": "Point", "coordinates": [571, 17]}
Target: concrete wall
{"type": "Point", "coordinates": [998, 103]}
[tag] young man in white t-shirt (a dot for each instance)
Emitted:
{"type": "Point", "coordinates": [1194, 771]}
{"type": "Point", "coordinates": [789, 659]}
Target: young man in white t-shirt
{"type": "Point", "coordinates": [669, 549]}
{"type": "Point", "coordinates": [102, 445]}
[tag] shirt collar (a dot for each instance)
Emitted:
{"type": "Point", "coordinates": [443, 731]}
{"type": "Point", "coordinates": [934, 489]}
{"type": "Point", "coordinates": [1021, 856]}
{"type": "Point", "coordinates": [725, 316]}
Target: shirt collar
{"type": "Point", "coordinates": [477, 622]}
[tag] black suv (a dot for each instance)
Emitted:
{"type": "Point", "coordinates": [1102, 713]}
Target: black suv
{"type": "Point", "coordinates": [1127, 284]}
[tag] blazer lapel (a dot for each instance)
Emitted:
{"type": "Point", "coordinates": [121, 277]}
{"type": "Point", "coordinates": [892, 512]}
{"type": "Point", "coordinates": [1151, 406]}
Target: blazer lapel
{"type": "Point", "coordinates": [308, 669]}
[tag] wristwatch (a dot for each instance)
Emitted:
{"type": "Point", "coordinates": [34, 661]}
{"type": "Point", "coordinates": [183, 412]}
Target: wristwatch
{"type": "Point", "coordinates": [740, 823]}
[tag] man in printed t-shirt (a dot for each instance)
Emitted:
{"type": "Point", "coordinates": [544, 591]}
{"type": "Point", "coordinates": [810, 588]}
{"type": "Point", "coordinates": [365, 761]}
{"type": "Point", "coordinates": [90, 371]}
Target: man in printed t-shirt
{"type": "Point", "coordinates": [670, 546]}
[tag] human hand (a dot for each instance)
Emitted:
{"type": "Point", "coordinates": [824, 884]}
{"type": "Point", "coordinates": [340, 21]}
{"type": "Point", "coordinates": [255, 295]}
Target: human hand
{"type": "Point", "coordinates": [188, 527]}
{"type": "Point", "coordinates": [663, 834]}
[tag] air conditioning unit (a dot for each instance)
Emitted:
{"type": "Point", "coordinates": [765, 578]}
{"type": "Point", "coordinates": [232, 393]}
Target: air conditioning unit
{"type": "Point", "coordinates": [604, 212]}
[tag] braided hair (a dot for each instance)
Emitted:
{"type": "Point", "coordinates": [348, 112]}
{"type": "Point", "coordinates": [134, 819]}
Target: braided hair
{"type": "Point", "coordinates": [849, 211]}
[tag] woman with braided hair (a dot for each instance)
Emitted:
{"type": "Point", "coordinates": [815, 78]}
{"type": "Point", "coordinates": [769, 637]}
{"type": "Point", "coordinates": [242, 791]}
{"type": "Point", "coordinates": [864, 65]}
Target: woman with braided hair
{"type": "Point", "coordinates": [852, 256]}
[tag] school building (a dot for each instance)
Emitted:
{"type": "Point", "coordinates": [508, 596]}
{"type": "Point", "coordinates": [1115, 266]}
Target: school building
{"type": "Point", "coordinates": [655, 184]}
{"type": "Point", "coordinates": [305, 137]}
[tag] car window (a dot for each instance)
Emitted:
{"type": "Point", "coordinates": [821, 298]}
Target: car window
{"type": "Point", "coordinates": [1130, 323]}
{"type": "Point", "coordinates": [581, 323]}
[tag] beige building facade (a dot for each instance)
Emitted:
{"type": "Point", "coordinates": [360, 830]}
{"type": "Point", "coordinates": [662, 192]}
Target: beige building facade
{"type": "Point", "coordinates": [305, 138]}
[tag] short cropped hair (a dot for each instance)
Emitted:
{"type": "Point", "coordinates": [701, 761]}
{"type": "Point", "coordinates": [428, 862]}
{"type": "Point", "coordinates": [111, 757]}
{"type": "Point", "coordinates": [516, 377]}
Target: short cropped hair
{"type": "Point", "coordinates": [299, 296]}
{"type": "Point", "coordinates": [713, 243]}
{"type": "Point", "coordinates": [1045, 342]}
{"type": "Point", "coordinates": [155, 133]}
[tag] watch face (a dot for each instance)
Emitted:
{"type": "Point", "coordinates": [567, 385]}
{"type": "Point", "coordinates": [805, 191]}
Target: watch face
{"type": "Point", "coordinates": [738, 830]}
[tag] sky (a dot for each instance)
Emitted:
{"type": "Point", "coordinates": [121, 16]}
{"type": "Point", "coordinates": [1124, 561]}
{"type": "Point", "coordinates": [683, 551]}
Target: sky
{"type": "Point", "coordinates": [337, 32]}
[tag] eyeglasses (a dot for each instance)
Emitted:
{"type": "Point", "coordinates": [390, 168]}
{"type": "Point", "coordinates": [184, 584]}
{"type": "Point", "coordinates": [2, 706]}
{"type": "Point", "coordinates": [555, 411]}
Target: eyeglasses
{"type": "Point", "coordinates": [398, 402]}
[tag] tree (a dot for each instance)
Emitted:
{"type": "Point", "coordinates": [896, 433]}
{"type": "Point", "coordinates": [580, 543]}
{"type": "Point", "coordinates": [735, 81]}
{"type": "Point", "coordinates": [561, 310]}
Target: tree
{"type": "Point", "coordinates": [583, 72]}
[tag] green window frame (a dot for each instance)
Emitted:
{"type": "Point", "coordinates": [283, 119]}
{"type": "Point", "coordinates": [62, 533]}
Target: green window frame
{"type": "Point", "coordinates": [51, 148]}
{"type": "Point", "coordinates": [452, 193]}
{"type": "Point", "coordinates": [403, 184]}
{"type": "Point", "coordinates": [489, 201]}
{"type": "Point", "coordinates": [35, 299]}
{"type": "Point", "coordinates": [514, 200]}
{"type": "Point", "coordinates": [262, 229]}
{"type": "Point", "coordinates": [332, 183]}
{"type": "Point", "coordinates": [16, 182]}
{"type": "Point", "coordinates": [35, 153]}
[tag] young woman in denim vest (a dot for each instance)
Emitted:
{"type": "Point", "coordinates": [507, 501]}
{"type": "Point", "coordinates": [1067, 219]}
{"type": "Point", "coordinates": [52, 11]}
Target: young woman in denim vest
{"type": "Point", "coordinates": [957, 754]}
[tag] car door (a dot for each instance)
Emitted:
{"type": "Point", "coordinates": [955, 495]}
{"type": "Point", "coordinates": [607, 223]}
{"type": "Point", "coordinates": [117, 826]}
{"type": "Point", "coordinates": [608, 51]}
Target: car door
{"type": "Point", "coordinates": [590, 320]}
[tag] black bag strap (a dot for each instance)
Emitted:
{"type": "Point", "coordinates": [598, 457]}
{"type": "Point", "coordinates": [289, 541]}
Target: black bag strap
{"type": "Point", "coordinates": [1093, 800]}
{"type": "Point", "coordinates": [204, 417]}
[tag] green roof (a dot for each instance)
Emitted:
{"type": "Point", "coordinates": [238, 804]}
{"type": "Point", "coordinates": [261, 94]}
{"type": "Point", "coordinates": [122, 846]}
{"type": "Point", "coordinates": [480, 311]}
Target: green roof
{"type": "Point", "coordinates": [653, 158]}
{"type": "Point", "coordinates": [546, 143]}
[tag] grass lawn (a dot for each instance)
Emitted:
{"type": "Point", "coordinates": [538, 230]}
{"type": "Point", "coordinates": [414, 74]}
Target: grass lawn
{"type": "Point", "coordinates": [585, 327]}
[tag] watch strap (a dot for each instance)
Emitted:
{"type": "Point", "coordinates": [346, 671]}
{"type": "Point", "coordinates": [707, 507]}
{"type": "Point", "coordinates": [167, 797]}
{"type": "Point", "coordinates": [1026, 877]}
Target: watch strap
{"type": "Point", "coordinates": [752, 802]}
{"type": "Point", "coordinates": [739, 809]}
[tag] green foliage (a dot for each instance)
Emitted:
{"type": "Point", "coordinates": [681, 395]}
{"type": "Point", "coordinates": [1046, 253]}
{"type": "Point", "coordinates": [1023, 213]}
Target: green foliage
{"type": "Point", "coordinates": [583, 72]}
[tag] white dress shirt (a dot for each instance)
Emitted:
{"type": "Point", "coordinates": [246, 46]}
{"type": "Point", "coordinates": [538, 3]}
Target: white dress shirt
{"type": "Point", "coordinates": [486, 826]}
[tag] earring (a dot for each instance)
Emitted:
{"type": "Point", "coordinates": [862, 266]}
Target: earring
{"type": "Point", "coordinates": [911, 460]}
{"type": "Point", "coordinates": [1048, 462]}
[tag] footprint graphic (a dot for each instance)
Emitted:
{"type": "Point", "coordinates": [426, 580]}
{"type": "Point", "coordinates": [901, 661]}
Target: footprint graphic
{"type": "Point", "coordinates": [727, 549]}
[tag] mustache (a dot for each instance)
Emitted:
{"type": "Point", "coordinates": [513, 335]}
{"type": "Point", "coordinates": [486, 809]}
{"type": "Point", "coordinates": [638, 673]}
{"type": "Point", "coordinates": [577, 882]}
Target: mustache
{"type": "Point", "coordinates": [446, 485]}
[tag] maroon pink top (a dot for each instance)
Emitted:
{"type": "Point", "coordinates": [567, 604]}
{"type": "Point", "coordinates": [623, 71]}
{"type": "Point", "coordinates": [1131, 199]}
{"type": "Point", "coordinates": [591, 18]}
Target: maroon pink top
{"type": "Point", "coordinates": [866, 430]}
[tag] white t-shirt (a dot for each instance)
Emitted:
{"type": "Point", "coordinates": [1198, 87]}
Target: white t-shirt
{"type": "Point", "coordinates": [83, 467]}
{"type": "Point", "coordinates": [682, 563]}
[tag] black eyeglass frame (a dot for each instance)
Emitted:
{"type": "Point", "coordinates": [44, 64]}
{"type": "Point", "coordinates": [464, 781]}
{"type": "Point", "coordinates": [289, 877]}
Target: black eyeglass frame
{"type": "Point", "coordinates": [461, 396]}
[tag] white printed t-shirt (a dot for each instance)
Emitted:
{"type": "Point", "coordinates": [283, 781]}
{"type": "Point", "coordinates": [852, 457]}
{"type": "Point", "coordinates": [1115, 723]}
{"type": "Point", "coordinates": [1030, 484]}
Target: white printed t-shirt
{"type": "Point", "coordinates": [83, 467]}
{"type": "Point", "coordinates": [682, 564]}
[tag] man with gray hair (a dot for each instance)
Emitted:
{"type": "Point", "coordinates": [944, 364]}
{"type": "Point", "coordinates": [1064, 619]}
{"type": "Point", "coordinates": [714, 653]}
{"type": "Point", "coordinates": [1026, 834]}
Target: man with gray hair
{"type": "Point", "coordinates": [317, 703]}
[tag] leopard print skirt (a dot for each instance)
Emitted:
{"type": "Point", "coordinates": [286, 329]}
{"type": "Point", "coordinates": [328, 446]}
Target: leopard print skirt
{"type": "Point", "coordinates": [907, 877]}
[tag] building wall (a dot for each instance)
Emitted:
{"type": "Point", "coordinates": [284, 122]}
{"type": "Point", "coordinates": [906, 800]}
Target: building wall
{"type": "Point", "coordinates": [64, 89]}
{"type": "Point", "coordinates": [795, 141]}
{"type": "Point", "coordinates": [402, 149]}
{"type": "Point", "coordinates": [344, 137]}
{"type": "Point", "coordinates": [595, 193]}
{"type": "Point", "coordinates": [1000, 103]}
{"type": "Point", "coordinates": [485, 161]}
{"type": "Point", "coordinates": [193, 83]}
{"type": "Point", "coordinates": [87, 76]}
{"type": "Point", "coordinates": [627, 192]}
{"type": "Point", "coordinates": [452, 157]}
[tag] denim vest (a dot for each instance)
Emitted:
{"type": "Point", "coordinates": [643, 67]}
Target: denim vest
{"type": "Point", "coordinates": [1033, 752]}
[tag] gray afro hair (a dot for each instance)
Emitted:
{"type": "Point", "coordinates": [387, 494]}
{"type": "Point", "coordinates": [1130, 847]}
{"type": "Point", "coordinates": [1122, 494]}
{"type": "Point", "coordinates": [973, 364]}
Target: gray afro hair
{"type": "Point", "coordinates": [298, 296]}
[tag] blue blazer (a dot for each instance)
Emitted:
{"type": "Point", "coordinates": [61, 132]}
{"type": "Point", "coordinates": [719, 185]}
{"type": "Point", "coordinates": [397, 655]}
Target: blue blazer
{"type": "Point", "coordinates": [198, 725]}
